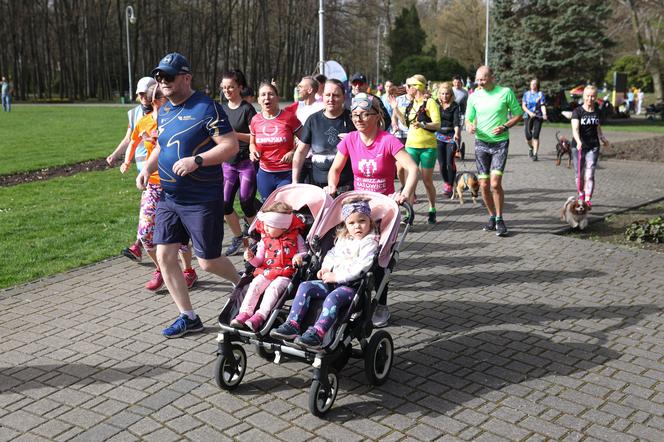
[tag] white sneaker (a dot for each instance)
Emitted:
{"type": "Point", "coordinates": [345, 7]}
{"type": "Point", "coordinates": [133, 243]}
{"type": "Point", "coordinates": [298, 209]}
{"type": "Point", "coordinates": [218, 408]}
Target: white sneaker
{"type": "Point", "coordinates": [381, 316]}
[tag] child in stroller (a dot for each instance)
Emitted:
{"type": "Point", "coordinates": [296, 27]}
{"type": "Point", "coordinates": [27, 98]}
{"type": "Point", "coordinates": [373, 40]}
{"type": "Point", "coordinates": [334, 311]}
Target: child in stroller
{"type": "Point", "coordinates": [352, 256]}
{"type": "Point", "coordinates": [279, 250]}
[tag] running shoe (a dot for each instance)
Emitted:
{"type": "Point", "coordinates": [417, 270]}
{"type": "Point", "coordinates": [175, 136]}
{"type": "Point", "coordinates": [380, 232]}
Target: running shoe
{"type": "Point", "coordinates": [381, 316]}
{"type": "Point", "coordinates": [133, 252]}
{"type": "Point", "coordinates": [234, 246]}
{"type": "Point", "coordinates": [501, 229]}
{"type": "Point", "coordinates": [432, 217]}
{"type": "Point", "coordinates": [190, 277]}
{"type": "Point", "coordinates": [182, 326]}
{"type": "Point", "coordinates": [286, 331]}
{"type": "Point", "coordinates": [310, 339]}
{"type": "Point", "coordinates": [156, 283]}
{"type": "Point", "coordinates": [491, 225]}
{"type": "Point", "coordinates": [534, 158]}
{"type": "Point", "coordinates": [530, 152]}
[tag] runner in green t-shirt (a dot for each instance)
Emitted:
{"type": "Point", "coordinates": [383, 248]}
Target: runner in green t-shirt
{"type": "Point", "coordinates": [487, 118]}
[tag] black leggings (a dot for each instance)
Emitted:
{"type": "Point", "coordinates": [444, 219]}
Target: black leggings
{"type": "Point", "coordinates": [532, 127]}
{"type": "Point", "coordinates": [448, 168]}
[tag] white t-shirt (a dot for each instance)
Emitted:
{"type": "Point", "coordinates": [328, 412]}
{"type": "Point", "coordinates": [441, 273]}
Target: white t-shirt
{"type": "Point", "coordinates": [304, 110]}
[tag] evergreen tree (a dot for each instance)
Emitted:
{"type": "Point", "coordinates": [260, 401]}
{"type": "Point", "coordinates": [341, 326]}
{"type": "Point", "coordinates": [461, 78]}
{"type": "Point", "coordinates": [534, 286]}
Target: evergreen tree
{"type": "Point", "coordinates": [406, 37]}
{"type": "Point", "coordinates": [561, 42]}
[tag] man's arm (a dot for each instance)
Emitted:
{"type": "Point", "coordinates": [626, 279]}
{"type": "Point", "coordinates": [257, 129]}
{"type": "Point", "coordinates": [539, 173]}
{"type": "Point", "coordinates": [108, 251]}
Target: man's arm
{"type": "Point", "coordinates": [226, 147]}
{"type": "Point", "coordinates": [112, 158]}
{"type": "Point", "coordinates": [298, 159]}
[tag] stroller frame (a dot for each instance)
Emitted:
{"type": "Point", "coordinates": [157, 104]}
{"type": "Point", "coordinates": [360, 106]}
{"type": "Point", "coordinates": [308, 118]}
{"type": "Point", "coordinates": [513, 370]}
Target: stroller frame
{"type": "Point", "coordinates": [355, 323]}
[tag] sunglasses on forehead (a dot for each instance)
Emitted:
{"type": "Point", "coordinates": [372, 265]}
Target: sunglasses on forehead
{"type": "Point", "coordinates": [362, 101]}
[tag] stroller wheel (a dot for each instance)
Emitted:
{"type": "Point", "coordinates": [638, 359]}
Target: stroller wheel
{"type": "Point", "coordinates": [378, 357]}
{"type": "Point", "coordinates": [229, 369]}
{"type": "Point", "coordinates": [321, 398]}
{"type": "Point", "coordinates": [264, 353]}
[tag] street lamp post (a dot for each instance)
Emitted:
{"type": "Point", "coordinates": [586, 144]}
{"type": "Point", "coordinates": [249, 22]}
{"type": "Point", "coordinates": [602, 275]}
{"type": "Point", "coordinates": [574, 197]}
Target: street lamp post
{"type": "Point", "coordinates": [129, 17]}
{"type": "Point", "coordinates": [382, 29]}
{"type": "Point", "coordinates": [486, 42]}
{"type": "Point", "coordinates": [321, 36]}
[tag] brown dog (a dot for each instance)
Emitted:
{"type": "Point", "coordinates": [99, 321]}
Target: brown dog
{"type": "Point", "coordinates": [463, 181]}
{"type": "Point", "coordinates": [563, 147]}
{"type": "Point", "coordinates": [575, 213]}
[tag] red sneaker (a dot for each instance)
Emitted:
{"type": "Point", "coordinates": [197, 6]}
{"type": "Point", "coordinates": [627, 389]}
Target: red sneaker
{"type": "Point", "coordinates": [190, 277]}
{"type": "Point", "coordinates": [156, 283]}
{"type": "Point", "coordinates": [133, 252]}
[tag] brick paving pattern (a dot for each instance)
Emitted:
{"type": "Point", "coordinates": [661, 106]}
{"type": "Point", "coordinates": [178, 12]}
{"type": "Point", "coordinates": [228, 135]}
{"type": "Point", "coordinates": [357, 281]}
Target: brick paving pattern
{"type": "Point", "coordinates": [531, 337]}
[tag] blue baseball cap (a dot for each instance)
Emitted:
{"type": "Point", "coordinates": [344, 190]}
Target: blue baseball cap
{"type": "Point", "coordinates": [173, 64]}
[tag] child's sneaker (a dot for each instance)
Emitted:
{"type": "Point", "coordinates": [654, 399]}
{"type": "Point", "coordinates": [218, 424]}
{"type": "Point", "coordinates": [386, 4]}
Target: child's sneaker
{"type": "Point", "coordinates": [286, 331]}
{"type": "Point", "coordinates": [190, 277]}
{"type": "Point", "coordinates": [182, 326]}
{"type": "Point", "coordinates": [156, 283]}
{"type": "Point", "coordinates": [133, 252]}
{"type": "Point", "coordinates": [240, 320]}
{"type": "Point", "coordinates": [255, 322]}
{"type": "Point", "coordinates": [310, 339]}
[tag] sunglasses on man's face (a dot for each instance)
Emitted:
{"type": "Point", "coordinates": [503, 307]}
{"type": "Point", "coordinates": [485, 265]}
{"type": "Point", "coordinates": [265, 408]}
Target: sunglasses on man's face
{"type": "Point", "coordinates": [164, 77]}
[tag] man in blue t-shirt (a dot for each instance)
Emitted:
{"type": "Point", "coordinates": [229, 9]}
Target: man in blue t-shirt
{"type": "Point", "coordinates": [195, 137]}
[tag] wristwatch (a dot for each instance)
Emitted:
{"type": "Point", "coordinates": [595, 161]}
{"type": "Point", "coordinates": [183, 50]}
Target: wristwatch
{"type": "Point", "coordinates": [198, 160]}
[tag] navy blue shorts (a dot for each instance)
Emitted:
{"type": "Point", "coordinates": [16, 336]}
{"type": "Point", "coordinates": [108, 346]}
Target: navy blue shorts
{"type": "Point", "coordinates": [490, 158]}
{"type": "Point", "coordinates": [268, 182]}
{"type": "Point", "coordinates": [202, 223]}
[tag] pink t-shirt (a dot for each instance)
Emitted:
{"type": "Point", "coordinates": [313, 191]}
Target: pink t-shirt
{"type": "Point", "coordinates": [374, 165]}
{"type": "Point", "coordinates": [274, 139]}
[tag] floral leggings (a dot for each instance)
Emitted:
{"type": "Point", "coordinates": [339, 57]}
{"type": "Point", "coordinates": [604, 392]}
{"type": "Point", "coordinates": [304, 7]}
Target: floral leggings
{"type": "Point", "coordinates": [146, 216]}
{"type": "Point", "coordinates": [335, 300]}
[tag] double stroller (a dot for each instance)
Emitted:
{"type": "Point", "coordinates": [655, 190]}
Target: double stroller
{"type": "Point", "coordinates": [321, 215]}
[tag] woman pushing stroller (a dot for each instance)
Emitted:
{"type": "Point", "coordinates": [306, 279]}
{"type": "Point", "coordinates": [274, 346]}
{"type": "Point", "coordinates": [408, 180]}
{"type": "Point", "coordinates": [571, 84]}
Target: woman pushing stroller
{"type": "Point", "coordinates": [352, 255]}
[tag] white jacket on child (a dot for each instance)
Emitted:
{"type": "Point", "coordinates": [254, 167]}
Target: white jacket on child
{"type": "Point", "coordinates": [350, 257]}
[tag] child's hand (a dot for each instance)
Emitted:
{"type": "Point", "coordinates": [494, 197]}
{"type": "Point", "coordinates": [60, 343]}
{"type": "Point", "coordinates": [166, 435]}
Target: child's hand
{"type": "Point", "coordinates": [248, 255]}
{"type": "Point", "coordinates": [124, 167]}
{"type": "Point", "coordinates": [297, 260]}
{"type": "Point", "coordinates": [329, 278]}
{"type": "Point", "coordinates": [321, 272]}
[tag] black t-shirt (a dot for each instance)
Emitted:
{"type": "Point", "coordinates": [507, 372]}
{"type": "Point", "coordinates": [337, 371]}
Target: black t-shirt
{"type": "Point", "coordinates": [322, 134]}
{"type": "Point", "coordinates": [449, 118]}
{"type": "Point", "coordinates": [239, 119]}
{"type": "Point", "coordinates": [588, 123]}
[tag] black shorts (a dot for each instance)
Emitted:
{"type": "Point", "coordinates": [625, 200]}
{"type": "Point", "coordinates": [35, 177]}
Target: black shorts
{"type": "Point", "coordinates": [202, 223]}
{"type": "Point", "coordinates": [533, 127]}
{"type": "Point", "coordinates": [490, 158]}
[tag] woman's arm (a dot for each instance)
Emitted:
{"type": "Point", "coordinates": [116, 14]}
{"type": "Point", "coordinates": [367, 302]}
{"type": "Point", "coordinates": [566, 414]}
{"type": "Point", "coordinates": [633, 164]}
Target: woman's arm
{"type": "Point", "coordinates": [576, 133]}
{"type": "Point", "coordinates": [600, 135]}
{"type": "Point", "coordinates": [254, 154]}
{"type": "Point", "coordinates": [406, 161]}
{"type": "Point", "coordinates": [335, 173]}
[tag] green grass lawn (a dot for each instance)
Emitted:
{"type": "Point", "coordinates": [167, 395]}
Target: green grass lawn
{"type": "Point", "coordinates": [52, 226]}
{"type": "Point", "coordinates": [38, 136]}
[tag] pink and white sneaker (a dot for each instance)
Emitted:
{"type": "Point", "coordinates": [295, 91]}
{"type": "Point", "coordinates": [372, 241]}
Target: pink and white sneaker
{"type": "Point", "coordinates": [156, 283]}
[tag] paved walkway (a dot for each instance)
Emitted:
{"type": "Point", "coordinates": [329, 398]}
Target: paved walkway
{"type": "Point", "coordinates": [530, 337]}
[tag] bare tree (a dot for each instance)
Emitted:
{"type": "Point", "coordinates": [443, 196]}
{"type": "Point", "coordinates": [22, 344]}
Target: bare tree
{"type": "Point", "coordinates": [647, 21]}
